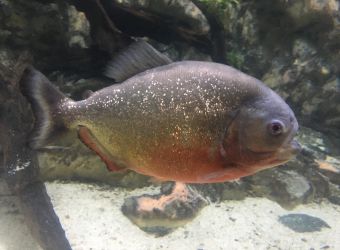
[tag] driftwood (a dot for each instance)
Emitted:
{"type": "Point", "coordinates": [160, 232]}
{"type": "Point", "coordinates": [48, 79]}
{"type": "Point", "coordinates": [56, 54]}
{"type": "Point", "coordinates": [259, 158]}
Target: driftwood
{"type": "Point", "coordinates": [112, 24]}
{"type": "Point", "coordinates": [19, 163]}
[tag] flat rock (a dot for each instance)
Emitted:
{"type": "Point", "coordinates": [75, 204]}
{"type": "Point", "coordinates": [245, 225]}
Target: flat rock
{"type": "Point", "coordinates": [334, 199]}
{"type": "Point", "coordinates": [303, 223]}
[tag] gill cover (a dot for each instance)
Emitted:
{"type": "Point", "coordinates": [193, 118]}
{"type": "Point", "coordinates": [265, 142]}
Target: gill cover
{"type": "Point", "coordinates": [265, 125]}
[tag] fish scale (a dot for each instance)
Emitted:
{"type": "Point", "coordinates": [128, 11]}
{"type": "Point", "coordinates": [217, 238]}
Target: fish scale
{"type": "Point", "coordinates": [187, 121]}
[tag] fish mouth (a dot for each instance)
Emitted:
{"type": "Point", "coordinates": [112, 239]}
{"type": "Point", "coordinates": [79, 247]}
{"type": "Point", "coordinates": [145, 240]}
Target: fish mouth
{"type": "Point", "coordinates": [285, 153]}
{"type": "Point", "coordinates": [289, 150]}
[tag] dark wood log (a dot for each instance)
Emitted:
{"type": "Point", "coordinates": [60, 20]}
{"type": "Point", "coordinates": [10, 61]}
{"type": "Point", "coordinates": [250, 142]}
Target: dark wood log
{"type": "Point", "coordinates": [218, 50]}
{"type": "Point", "coordinates": [20, 164]}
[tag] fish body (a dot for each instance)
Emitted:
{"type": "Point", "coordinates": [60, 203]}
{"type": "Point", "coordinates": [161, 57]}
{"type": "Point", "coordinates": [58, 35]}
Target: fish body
{"type": "Point", "coordinates": [190, 121]}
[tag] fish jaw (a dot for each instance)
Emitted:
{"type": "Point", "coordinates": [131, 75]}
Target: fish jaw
{"type": "Point", "coordinates": [289, 150]}
{"type": "Point", "coordinates": [279, 157]}
{"type": "Point", "coordinates": [240, 162]}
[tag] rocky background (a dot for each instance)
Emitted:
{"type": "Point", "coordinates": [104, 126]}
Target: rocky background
{"type": "Point", "coordinates": [293, 46]}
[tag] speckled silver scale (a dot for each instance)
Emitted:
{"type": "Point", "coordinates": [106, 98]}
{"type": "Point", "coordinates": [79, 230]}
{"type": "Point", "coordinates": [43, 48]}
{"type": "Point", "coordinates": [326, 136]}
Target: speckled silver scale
{"type": "Point", "coordinates": [186, 103]}
{"type": "Point", "coordinates": [186, 121]}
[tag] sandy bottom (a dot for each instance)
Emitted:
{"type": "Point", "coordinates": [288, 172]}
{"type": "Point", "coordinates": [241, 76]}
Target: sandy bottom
{"type": "Point", "coordinates": [92, 219]}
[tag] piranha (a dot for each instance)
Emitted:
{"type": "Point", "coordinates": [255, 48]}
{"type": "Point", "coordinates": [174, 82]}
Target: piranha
{"type": "Point", "coordinates": [188, 121]}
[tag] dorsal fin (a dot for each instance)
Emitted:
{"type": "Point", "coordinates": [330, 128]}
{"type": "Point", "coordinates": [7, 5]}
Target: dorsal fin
{"type": "Point", "coordinates": [138, 57]}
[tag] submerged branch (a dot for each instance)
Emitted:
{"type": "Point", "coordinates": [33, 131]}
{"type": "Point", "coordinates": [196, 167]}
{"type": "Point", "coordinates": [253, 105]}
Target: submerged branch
{"type": "Point", "coordinates": [20, 163]}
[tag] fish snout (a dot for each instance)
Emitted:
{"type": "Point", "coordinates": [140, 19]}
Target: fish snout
{"type": "Point", "coordinates": [295, 147]}
{"type": "Point", "coordinates": [290, 150]}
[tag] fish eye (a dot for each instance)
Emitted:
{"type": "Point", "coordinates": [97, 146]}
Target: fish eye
{"type": "Point", "coordinates": [276, 127]}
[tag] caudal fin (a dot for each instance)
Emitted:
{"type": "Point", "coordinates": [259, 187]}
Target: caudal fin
{"type": "Point", "coordinates": [46, 101]}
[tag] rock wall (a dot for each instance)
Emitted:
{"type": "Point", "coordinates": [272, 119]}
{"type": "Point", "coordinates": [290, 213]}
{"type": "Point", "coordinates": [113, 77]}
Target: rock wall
{"type": "Point", "coordinates": [293, 46]}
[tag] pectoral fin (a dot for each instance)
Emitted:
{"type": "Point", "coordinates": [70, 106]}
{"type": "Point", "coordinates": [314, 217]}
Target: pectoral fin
{"type": "Point", "coordinates": [91, 142]}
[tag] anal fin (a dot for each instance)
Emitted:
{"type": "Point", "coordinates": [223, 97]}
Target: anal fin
{"type": "Point", "coordinates": [91, 142]}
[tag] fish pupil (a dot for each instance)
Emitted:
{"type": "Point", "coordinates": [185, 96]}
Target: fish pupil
{"type": "Point", "coordinates": [276, 128]}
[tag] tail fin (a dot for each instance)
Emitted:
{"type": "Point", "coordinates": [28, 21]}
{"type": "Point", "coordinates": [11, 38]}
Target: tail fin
{"type": "Point", "coordinates": [46, 100]}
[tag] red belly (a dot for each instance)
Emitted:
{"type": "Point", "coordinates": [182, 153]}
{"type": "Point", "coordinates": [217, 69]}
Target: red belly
{"type": "Point", "coordinates": [190, 166]}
